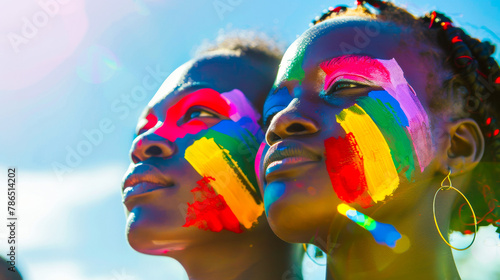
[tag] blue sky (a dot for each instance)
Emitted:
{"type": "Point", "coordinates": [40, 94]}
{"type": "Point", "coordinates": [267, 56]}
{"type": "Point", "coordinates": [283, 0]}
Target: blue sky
{"type": "Point", "coordinates": [75, 68]}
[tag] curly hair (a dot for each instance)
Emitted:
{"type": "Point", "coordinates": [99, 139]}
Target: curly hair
{"type": "Point", "coordinates": [243, 42]}
{"type": "Point", "coordinates": [469, 87]}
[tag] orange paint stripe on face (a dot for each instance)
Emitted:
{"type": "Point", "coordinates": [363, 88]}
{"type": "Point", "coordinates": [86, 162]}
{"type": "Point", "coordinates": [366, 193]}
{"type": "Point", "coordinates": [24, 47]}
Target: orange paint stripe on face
{"type": "Point", "coordinates": [381, 175]}
{"type": "Point", "coordinates": [210, 159]}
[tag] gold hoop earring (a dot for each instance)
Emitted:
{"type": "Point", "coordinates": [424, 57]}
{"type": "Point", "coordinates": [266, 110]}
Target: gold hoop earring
{"type": "Point", "coordinates": [448, 187]}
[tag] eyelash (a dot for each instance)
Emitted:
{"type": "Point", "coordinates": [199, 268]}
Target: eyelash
{"type": "Point", "coordinates": [189, 114]}
{"type": "Point", "coordinates": [343, 84]}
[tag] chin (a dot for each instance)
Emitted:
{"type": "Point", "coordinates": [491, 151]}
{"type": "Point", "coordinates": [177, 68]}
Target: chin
{"type": "Point", "coordinates": [295, 220]}
{"type": "Point", "coordinates": [155, 232]}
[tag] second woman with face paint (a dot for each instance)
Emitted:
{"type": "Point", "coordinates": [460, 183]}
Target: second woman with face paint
{"type": "Point", "coordinates": [369, 115]}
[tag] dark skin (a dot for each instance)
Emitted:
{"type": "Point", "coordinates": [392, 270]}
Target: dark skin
{"type": "Point", "coordinates": [156, 217]}
{"type": "Point", "coordinates": [305, 120]}
{"type": "Point", "coordinates": [7, 274]}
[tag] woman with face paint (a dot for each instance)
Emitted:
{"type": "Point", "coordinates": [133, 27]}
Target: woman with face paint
{"type": "Point", "coordinates": [368, 116]}
{"type": "Point", "coordinates": [191, 192]}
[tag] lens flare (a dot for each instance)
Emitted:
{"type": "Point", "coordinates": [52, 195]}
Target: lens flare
{"type": "Point", "coordinates": [97, 65]}
{"type": "Point", "coordinates": [384, 234]}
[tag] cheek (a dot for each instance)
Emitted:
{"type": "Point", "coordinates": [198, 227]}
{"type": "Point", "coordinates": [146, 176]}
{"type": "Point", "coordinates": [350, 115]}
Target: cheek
{"type": "Point", "coordinates": [387, 115]}
{"type": "Point", "coordinates": [417, 125]}
{"type": "Point", "coordinates": [345, 167]}
{"type": "Point", "coordinates": [225, 153]}
{"type": "Point", "coordinates": [364, 166]}
{"type": "Point", "coordinates": [209, 211]}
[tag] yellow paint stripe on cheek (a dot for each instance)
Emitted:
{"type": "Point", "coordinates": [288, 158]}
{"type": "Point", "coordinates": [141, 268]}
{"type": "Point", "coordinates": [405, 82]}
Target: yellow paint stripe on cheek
{"type": "Point", "coordinates": [381, 175]}
{"type": "Point", "coordinates": [210, 159]}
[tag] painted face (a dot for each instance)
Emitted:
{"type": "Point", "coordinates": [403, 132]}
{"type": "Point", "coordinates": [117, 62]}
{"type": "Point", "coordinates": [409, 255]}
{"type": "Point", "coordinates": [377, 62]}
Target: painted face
{"type": "Point", "coordinates": [193, 175]}
{"type": "Point", "coordinates": [345, 127]}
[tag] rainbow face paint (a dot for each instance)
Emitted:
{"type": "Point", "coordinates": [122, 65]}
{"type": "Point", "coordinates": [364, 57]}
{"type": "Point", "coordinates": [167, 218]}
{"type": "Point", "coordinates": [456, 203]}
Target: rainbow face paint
{"type": "Point", "coordinates": [225, 153]}
{"type": "Point", "coordinates": [384, 234]}
{"type": "Point", "coordinates": [222, 154]}
{"type": "Point", "coordinates": [212, 154]}
{"type": "Point", "coordinates": [386, 132]}
{"type": "Point", "coordinates": [210, 211]}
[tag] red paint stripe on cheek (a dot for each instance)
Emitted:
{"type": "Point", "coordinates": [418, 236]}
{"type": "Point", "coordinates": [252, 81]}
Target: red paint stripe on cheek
{"type": "Point", "coordinates": [210, 211]}
{"type": "Point", "coordinates": [203, 97]}
{"type": "Point", "coordinates": [344, 164]}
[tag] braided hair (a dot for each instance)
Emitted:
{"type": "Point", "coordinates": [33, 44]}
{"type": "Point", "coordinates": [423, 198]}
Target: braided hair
{"type": "Point", "coordinates": [474, 91]}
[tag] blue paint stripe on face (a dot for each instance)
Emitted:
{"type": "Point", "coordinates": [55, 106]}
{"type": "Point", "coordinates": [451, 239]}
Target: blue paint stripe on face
{"type": "Point", "coordinates": [239, 133]}
{"type": "Point", "coordinates": [232, 129]}
{"type": "Point", "coordinates": [276, 102]}
{"type": "Point", "coordinates": [253, 127]}
{"type": "Point", "coordinates": [272, 193]}
{"type": "Point", "coordinates": [392, 105]}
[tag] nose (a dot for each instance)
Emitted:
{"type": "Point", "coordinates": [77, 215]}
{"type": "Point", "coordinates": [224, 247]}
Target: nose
{"type": "Point", "coordinates": [148, 145]}
{"type": "Point", "coordinates": [289, 123]}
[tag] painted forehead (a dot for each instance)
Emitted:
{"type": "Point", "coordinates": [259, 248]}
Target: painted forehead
{"type": "Point", "coordinates": [341, 36]}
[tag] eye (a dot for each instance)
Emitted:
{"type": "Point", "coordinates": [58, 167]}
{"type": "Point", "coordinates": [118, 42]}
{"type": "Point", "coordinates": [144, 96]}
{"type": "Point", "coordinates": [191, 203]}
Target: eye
{"type": "Point", "coordinates": [200, 114]}
{"type": "Point", "coordinates": [197, 112]}
{"type": "Point", "coordinates": [344, 85]}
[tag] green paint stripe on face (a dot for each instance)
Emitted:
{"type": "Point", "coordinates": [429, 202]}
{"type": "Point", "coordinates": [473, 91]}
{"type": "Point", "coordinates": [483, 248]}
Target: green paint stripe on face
{"type": "Point", "coordinates": [295, 70]}
{"type": "Point", "coordinates": [242, 154]}
{"type": "Point", "coordinates": [395, 135]}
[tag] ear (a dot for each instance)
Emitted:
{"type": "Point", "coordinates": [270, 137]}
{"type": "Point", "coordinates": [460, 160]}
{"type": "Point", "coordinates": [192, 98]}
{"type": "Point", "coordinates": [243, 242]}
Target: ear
{"type": "Point", "coordinates": [464, 147]}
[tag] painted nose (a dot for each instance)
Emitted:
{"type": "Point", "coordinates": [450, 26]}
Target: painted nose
{"type": "Point", "coordinates": [150, 145]}
{"type": "Point", "coordinates": [288, 124]}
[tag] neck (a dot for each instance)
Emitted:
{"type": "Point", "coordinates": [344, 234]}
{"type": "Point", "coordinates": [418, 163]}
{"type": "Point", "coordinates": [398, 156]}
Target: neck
{"type": "Point", "coordinates": [246, 256]}
{"type": "Point", "coordinates": [419, 254]}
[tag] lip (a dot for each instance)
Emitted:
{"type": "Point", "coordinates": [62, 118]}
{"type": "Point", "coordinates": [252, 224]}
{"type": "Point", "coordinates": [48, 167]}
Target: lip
{"type": "Point", "coordinates": [287, 156]}
{"type": "Point", "coordinates": [143, 179]}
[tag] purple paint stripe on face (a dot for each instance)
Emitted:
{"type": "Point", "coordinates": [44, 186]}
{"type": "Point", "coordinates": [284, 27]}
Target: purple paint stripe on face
{"type": "Point", "coordinates": [240, 106]}
{"type": "Point", "coordinates": [418, 120]}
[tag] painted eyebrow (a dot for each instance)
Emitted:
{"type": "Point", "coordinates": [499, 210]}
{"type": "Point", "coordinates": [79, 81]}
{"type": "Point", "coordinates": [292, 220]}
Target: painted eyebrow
{"type": "Point", "coordinates": [355, 64]}
{"type": "Point", "coordinates": [199, 98]}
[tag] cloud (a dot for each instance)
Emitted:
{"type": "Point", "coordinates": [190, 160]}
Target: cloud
{"type": "Point", "coordinates": [45, 204]}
